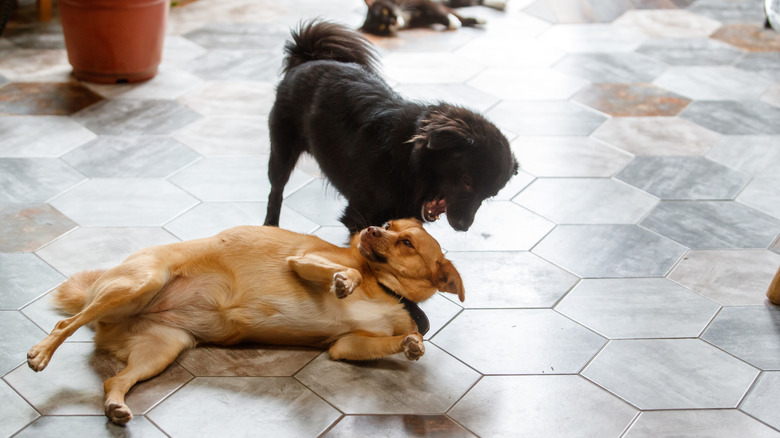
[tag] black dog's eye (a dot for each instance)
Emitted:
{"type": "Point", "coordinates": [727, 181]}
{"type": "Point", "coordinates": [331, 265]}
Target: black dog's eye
{"type": "Point", "coordinates": [407, 243]}
{"type": "Point", "coordinates": [468, 183]}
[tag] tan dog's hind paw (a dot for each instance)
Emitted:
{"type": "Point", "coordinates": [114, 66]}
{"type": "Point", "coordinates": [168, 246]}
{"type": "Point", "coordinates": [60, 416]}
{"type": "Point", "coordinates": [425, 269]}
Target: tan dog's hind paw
{"type": "Point", "coordinates": [343, 285]}
{"type": "Point", "coordinates": [413, 346]}
{"type": "Point", "coordinates": [118, 413]}
{"type": "Point", "coordinates": [38, 357]}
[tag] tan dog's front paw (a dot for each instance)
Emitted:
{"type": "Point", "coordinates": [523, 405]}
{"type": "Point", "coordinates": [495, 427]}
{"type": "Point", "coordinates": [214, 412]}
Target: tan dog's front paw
{"type": "Point", "coordinates": [343, 285]}
{"type": "Point", "coordinates": [38, 357]}
{"type": "Point", "coordinates": [413, 346]}
{"type": "Point", "coordinates": [118, 413]}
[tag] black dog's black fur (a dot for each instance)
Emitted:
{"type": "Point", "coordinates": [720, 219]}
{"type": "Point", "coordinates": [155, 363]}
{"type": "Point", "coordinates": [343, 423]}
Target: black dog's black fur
{"type": "Point", "coordinates": [389, 157]}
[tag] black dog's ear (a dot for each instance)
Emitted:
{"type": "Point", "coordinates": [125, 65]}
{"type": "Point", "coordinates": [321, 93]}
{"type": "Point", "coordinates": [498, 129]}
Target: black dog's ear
{"type": "Point", "coordinates": [515, 166]}
{"type": "Point", "coordinates": [446, 138]}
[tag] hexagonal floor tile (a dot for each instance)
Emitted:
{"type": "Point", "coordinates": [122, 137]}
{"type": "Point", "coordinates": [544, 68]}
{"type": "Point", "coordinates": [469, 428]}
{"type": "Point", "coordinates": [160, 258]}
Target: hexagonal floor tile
{"type": "Point", "coordinates": [668, 23]}
{"type": "Point", "coordinates": [568, 157]}
{"type": "Point", "coordinates": [683, 178]}
{"type": "Point", "coordinates": [168, 83]}
{"type": "Point", "coordinates": [571, 11]}
{"type": "Point", "coordinates": [27, 227]}
{"type": "Point", "coordinates": [40, 136]}
{"type": "Point", "coordinates": [765, 64]}
{"type": "Point", "coordinates": [772, 95]}
{"type": "Point", "coordinates": [762, 194]}
{"type": "Point", "coordinates": [726, 12]}
{"type": "Point", "coordinates": [751, 37]}
{"type": "Point", "coordinates": [440, 312]}
{"type": "Point", "coordinates": [581, 201]}
{"type": "Point", "coordinates": [713, 83]}
{"type": "Point", "coordinates": [44, 98]}
{"type": "Point", "coordinates": [235, 65]}
{"type": "Point", "coordinates": [241, 36]}
{"type": "Point", "coordinates": [109, 202]}
{"type": "Point", "coordinates": [397, 426]}
{"type": "Point", "coordinates": [72, 383]}
{"type": "Point", "coordinates": [136, 117]}
{"type": "Point", "coordinates": [494, 229]}
{"type": "Point", "coordinates": [534, 341]}
{"type": "Point", "coordinates": [210, 218]}
{"type": "Point", "coordinates": [23, 277]}
{"type": "Point", "coordinates": [666, 374]}
{"type": "Point", "coordinates": [246, 360]}
{"type": "Point", "coordinates": [100, 247]}
{"type": "Point", "coordinates": [92, 426]}
{"type": "Point", "coordinates": [35, 179]}
{"type": "Point", "coordinates": [318, 202]}
{"type": "Point", "coordinates": [657, 136]}
{"type": "Point", "coordinates": [616, 67]}
{"type": "Point", "coordinates": [234, 405]}
{"type": "Point", "coordinates": [511, 406]}
{"type": "Point", "coordinates": [756, 155]}
{"type": "Point", "coordinates": [227, 135]}
{"type": "Point", "coordinates": [542, 284]}
{"type": "Point", "coordinates": [392, 385]}
{"type": "Point", "coordinates": [760, 402]}
{"type": "Point", "coordinates": [545, 118]}
{"type": "Point", "coordinates": [243, 178]}
{"type": "Point", "coordinates": [527, 83]}
{"type": "Point", "coordinates": [578, 38]}
{"type": "Point", "coordinates": [718, 423]}
{"type": "Point", "coordinates": [632, 100]}
{"type": "Point", "coordinates": [609, 251]}
{"type": "Point", "coordinates": [690, 51]}
{"type": "Point", "coordinates": [130, 157]}
{"type": "Point", "coordinates": [638, 308]}
{"type": "Point", "coordinates": [762, 348]}
{"type": "Point", "coordinates": [232, 98]}
{"type": "Point", "coordinates": [422, 68]}
{"type": "Point", "coordinates": [38, 64]}
{"type": "Point", "coordinates": [16, 411]}
{"type": "Point", "coordinates": [17, 335]}
{"type": "Point", "coordinates": [735, 117]}
{"type": "Point", "coordinates": [45, 315]}
{"type": "Point", "coordinates": [729, 277]}
{"type": "Point", "coordinates": [712, 224]}
{"type": "Point", "coordinates": [503, 51]}
{"type": "Point", "coordinates": [457, 94]}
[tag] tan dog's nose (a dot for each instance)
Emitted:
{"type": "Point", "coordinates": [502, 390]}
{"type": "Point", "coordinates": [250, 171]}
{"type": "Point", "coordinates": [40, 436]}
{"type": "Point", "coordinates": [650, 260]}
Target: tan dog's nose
{"type": "Point", "coordinates": [374, 231]}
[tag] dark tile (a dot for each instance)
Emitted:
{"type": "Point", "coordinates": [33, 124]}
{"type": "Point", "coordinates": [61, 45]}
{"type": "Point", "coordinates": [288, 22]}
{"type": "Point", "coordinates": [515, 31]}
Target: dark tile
{"type": "Point", "coordinates": [38, 98]}
{"type": "Point", "coordinates": [609, 251]}
{"type": "Point", "coordinates": [628, 100]}
{"type": "Point", "coordinates": [683, 178]}
{"type": "Point", "coordinates": [136, 117]}
{"type": "Point", "coordinates": [690, 51]}
{"type": "Point", "coordinates": [27, 227]}
{"type": "Point", "coordinates": [615, 67]}
{"type": "Point", "coordinates": [751, 37]}
{"type": "Point", "coordinates": [712, 224]}
{"type": "Point", "coordinates": [735, 117]}
{"type": "Point", "coordinates": [397, 426]}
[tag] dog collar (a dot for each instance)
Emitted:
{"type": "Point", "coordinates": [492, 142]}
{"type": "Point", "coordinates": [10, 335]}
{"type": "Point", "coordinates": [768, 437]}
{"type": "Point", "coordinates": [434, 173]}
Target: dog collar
{"type": "Point", "coordinates": [418, 316]}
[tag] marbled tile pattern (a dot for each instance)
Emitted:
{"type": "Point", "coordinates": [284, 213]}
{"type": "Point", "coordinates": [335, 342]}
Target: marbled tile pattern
{"type": "Point", "coordinates": [614, 288]}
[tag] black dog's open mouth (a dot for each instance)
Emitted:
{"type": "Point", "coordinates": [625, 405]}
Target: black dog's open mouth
{"type": "Point", "coordinates": [431, 210]}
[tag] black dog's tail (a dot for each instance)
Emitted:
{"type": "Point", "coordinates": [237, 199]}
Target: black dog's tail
{"type": "Point", "coordinates": [322, 40]}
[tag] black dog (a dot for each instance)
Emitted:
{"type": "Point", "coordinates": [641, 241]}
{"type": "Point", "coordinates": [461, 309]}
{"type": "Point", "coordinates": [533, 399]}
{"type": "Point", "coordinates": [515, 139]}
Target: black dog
{"type": "Point", "coordinates": [389, 157]}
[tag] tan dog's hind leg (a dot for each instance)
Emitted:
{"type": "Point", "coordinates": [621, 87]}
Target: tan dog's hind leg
{"type": "Point", "coordinates": [312, 267]}
{"type": "Point", "coordinates": [364, 347]}
{"type": "Point", "coordinates": [150, 354]}
{"type": "Point", "coordinates": [116, 287]}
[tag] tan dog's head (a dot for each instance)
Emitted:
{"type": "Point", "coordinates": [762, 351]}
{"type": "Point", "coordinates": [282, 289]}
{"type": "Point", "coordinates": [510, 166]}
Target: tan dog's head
{"type": "Point", "coordinates": [408, 260]}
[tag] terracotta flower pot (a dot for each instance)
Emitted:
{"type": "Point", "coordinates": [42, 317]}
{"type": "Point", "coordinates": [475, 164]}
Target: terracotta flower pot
{"type": "Point", "coordinates": [114, 41]}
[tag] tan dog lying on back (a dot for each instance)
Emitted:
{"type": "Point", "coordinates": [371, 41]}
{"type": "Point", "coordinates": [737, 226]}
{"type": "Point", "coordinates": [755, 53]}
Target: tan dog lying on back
{"type": "Point", "coordinates": [254, 284]}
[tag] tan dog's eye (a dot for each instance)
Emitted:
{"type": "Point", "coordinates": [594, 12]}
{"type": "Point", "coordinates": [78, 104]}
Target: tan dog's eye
{"type": "Point", "coordinates": [386, 225]}
{"type": "Point", "coordinates": [407, 243]}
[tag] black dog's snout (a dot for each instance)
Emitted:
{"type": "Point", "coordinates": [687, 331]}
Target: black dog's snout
{"type": "Point", "coordinates": [375, 231]}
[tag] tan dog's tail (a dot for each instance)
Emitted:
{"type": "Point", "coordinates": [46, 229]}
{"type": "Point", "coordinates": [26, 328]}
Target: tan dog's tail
{"type": "Point", "coordinates": [71, 296]}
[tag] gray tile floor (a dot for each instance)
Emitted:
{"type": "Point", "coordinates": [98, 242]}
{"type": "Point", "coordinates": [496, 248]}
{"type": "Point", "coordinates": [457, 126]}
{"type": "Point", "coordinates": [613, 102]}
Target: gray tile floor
{"type": "Point", "coordinates": [615, 287]}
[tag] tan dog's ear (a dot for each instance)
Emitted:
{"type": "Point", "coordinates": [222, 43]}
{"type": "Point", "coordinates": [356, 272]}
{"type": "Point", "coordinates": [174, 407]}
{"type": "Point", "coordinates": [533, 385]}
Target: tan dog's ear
{"type": "Point", "coordinates": [448, 280]}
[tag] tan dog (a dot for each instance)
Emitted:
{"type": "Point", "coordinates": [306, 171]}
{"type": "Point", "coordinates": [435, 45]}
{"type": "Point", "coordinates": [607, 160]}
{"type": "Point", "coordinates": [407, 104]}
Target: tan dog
{"type": "Point", "coordinates": [254, 284]}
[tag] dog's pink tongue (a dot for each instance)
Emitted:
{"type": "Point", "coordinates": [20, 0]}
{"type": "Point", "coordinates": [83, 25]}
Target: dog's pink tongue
{"type": "Point", "coordinates": [435, 208]}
